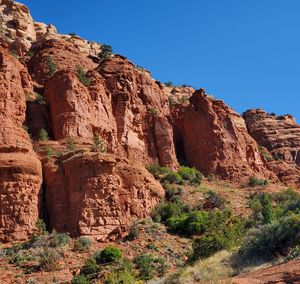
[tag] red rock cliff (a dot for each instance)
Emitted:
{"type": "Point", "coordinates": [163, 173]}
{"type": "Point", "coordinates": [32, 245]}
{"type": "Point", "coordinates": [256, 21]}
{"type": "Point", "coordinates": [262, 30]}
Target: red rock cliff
{"type": "Point", "coordinates": [20, 170]}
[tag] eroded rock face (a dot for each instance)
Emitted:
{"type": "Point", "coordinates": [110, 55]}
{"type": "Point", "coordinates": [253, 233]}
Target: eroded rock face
{"type": "Point", "coordinates": [123, 105]}
{"type": "Point", "coordinates": [214, 139]}
{"type": "Point", "coordinates": [58, 55]}
{"type": "Point", "coordinates": [141, 112]}
{"type": "Point", "coordinates": [20, 170]}
{"type": "Point", "coordinates": [17, 26]}
{"type": "Point", "coordinates": [280, 135]}
{"type": "Point", "coordinates": [22, 33]}
{"type": "Point", "coordinates": [98, 195]}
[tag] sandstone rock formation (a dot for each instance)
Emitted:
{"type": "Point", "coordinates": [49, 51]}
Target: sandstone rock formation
{"type": "Point", "coordinates": [17, 26]}
{"type": "Point", "coordinates": [214, 138]}
{"type": "Point", "coordinates": [98, 195]}
{"type": "Point", "coordinates": [20, 170]}
{"type": "Point", "coordinates": [55, 55]}
{"type": "Point", "coordinates": [140, 120]}
{"type": "Point", "coordinates": [22, 33]}
{"type": "Point", "coordinates": [280, 135]}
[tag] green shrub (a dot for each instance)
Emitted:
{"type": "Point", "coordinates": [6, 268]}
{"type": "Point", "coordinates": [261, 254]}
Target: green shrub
{"type": "Point", "coordinates": [82, 244]}
{"type": "Point", "coordinates": [48, 260]}
{"type": "Point", "coordinates": [51, 66]}
{"type": "Point", "coordinates": [80, 279]}
{"type": "Point", "coordinates": [153, 111]}
{"type": "Point", "coordinates": [191, 223]}
{"type": "Point", "coordinates": [172, 101]}
{"type": "Point", "coordinates": [98, 144]}
{"type": "Point", "coordinates": [253, 181]}
{"type": "Point", "coordinates": [172, 192]}
{"type": "Point", "coordinates": [71, 144]}
{"type": "Point", "coordinates": [151, 246]}
{"type": "Point", "coordinates": [262, 208]}
{"type": "Point", "coordinates": [72, 34]}
{"type": "Point", "coordinates": [207, 245]}
{"type": "Point", "coordinates": [39, 99]}
{"type": "Point", "coordinates": [49, 153]}
{"type": "Point", "coordinates": [157, 171]}
{"type": "Point", "coordinates": [214, 200]}
{"type": "Point", "coordinates": [59, 240]}
{"type": "Point", "coordinates": [43, 135]}
{"type": "Point", "coordinates": [107, 255]}
{"type": "Point", "coordinates": [90, 267]}
{"type": "Point", "coordinates": [173, 177]}
{"type": "Point", "coordinates": [148, 264]}
{"type": "Point", "coordinates": [82, 76]}
{"type": "Point", "coordinates": [169, 84]}
{"type": "Point", "coordinates": [106, 51]}
{"type": "Point", "coordinates": [270, 238]}
{"type": "Point", "coordinates": [191, 175]}
{"type": "Point", "coordinates": [120, 273]}
{"type": "Point", "coordinates": [133, 232]}
{"type": "Point", "coordinates": [41, 227]}
{"type": "Point", "coordinates": [163, 211]}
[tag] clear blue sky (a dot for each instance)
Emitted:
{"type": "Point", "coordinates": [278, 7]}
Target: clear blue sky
{"type": "Point", "coordinates": [245, 52]}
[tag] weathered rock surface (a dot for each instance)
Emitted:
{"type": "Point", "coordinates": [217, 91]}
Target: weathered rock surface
{"type": "Point", "coordinates": [20, 170]}
{"type": "Point", "coordinates": [288, 272]}
{"type": "Point", "coordinates": [59, 54]}
{"type": "Point", "coordinates": [280, 135]}
{"type": "Point", "coordinates": [98, 195]}
{"type": "Point", "coordinates": [123, 105]}
{"type": "Point", "coordinates": [214, 138]}
{"type": "Point", "coordinates": [17, 26]}
{"type": "Point", "coordinates": [22, 33]}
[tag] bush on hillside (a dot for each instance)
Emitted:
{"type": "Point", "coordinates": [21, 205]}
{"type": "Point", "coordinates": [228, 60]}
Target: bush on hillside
{"type": "Point", "coordinates": [190, 175]}
{"type": "Point", "coordinates": [107, 255]}
{"type": "Point", "coordinates": [270, 238]}
{"type": "Point", "coordinates": [253, 181]}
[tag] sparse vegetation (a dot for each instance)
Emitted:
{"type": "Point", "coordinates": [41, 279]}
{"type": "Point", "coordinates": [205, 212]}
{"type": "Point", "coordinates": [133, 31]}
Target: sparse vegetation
{"type": "Point", "coordinates": [51, 66]}
{"type": "Point", "coordinates": [106, 52]}
{"type": "Point", "coordinates": [82, 244]}
{"type": "Point", "coordinates": [99, 145]}
{"type": "Point", "coordinates": [150, 266]}
{"type": "Point", "coordinates": [107, 255]}
{"type": "Point", "coordinates": [153, 112]}
{"type": "Point", "coordinates": [169, 84]}
{"type": "Point", "coordinates": [253, 181]}
{"type": "Point", "coordinates": [82, 76]}
{"type": "Point", "coordinates": [71, 144]}
{"type": "Point", "coordinates": [48, 260]}
{"type": "Point", "coordinates": [172, 101]}
{"type": "Point", "coordinates": [39, 98]}
{"type": "Point", "coordinates": [43, 135]}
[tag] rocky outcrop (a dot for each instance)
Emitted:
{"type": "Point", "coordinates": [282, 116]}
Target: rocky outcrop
{"type": "Point", "coordinates": [20, 170]}
{"type": "Point", "coordinates": [214, 138]}
{"type": "Point", "coordinates": [23, 34]}
{"type": "Point", "coordinates": [141, 112]}
{"type": "Point", "coordinates": [123, 105]}
{"type": "Point", "coordinates": [280, 135]}
{"type": "Point", "coordinates": [55, 55]}
{"type": "Point", "coordinates": [17, 26]}
{"type": "Point", "coordinates": [98, 195]}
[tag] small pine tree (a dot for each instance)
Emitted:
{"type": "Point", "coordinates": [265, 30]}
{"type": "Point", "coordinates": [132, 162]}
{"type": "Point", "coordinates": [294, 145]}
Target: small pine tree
{"type": "Point", "coordinates": [71, 144]}
{"type": "Point", "coordinates": [51, 66]}
{"type": "Point", "coordinates": [106, 52]}
{"type": "Point", "coordinates": [267, 208]}
{"type": "Point", "coordinates": [98, 144]}
{"type": "Point", "coordinates": [43, 135]}
{"type": "Point", "coordinates": [82, 76]}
